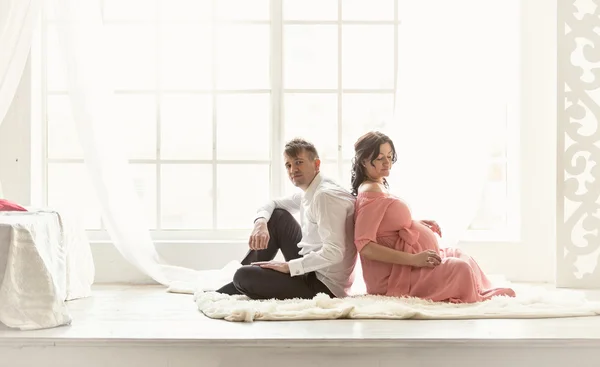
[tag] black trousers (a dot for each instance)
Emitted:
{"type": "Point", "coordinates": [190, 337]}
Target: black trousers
{"type": "Point", "coordinates": [258, 283]}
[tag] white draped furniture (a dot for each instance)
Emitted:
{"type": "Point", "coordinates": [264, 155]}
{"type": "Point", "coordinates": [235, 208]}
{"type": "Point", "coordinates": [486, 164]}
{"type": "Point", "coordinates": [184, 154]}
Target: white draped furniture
{"type": "Point", "coordinates": [45, 261]}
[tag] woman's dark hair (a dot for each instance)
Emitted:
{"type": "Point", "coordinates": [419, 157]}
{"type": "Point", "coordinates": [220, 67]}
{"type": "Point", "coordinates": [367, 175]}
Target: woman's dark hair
{"type": "Point", "coordinates": [367, 147]}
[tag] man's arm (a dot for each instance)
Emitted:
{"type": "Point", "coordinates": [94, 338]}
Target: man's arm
{"type": "Point", "coordinates": [289, 203]}
{"type": "Point", "coordinates": [259, 239]}
{"type": "Point", "coordinates": [332, 217]}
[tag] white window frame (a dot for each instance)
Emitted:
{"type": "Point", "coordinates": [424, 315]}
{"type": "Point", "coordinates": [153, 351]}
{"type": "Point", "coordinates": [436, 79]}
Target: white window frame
{"type": "Point", "coordinates": [278, 176]}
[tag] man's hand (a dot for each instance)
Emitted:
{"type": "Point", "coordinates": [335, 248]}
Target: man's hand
{"type": "Point", "coordinates": [279, 266]}
{"type": "Point", "coordinates": [432, 224]}
{"type": "Point", "coordinates": [259, 238]}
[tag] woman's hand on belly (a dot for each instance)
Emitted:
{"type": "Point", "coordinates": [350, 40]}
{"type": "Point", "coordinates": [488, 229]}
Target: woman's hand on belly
{"type": "Point", "coordinates": [427, 258]}
{"type": "Point", "coordinates": [432, 224]}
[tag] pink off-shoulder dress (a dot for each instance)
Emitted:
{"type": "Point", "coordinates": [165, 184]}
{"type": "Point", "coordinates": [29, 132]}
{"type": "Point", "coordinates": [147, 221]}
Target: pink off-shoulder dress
{"type": "Point", "coordinates": [385, 219]}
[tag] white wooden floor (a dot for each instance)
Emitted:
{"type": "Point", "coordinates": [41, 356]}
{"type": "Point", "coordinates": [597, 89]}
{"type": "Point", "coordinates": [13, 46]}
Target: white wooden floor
{"type": "Point", "coordinates": [144, 325]}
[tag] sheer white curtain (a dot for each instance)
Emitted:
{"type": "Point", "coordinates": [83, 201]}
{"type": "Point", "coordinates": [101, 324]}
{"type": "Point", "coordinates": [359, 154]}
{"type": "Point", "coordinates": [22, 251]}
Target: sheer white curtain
{"type": "Point", "coordinates": [445, 107]}
{"type": "Point", "coordinates": [17, 22]}
{"type": "Point", "coordinates": [84, 48]}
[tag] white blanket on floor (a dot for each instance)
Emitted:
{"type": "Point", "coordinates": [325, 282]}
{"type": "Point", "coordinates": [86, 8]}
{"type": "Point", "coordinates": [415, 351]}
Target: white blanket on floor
{"type": "Point", "coordinates": [531, 302]}
{"type": "Point", "coordinates": [45, 260]}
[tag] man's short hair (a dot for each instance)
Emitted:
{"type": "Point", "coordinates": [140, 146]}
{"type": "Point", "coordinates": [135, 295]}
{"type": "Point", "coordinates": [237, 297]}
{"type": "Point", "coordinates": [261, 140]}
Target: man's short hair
{"type": "Point", "coordinates": [295, 146]}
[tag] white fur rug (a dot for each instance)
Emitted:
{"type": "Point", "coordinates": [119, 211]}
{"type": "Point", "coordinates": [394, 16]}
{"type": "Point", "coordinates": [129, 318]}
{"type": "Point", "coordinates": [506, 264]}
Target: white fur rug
{"type": "Point", "coordinates": [531, 302]}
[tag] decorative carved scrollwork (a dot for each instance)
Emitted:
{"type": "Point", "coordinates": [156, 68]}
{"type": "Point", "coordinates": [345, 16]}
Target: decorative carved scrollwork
{"type": "Point", "coordinates": [578, 214]}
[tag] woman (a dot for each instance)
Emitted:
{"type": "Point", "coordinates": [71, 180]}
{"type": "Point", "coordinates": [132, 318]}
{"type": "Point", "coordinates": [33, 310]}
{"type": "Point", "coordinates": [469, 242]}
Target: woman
{"type": "Point", "coordinates": [400, 256]}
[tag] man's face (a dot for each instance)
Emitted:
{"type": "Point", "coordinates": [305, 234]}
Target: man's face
{"type": "Point", "coordinates": [301, 169]}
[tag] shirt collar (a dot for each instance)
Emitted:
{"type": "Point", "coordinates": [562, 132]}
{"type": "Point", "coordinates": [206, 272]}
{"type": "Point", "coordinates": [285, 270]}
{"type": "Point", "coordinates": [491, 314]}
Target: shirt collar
{"type": "Point", "coordinates": [310, 191]}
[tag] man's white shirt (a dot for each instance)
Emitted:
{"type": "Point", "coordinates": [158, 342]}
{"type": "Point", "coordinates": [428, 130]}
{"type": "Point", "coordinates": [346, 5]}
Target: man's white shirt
{"type": "Point", "coordinates": [327, 222]}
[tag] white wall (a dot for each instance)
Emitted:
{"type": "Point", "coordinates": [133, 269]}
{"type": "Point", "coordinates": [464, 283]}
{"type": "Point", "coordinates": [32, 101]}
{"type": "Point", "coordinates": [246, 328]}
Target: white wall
{"type": "Point", "coordinates": [112, 268]}
{"type": "Point", "coordinates": [15, 141]}
{"type": "Point", "coordinates": [531, 259]}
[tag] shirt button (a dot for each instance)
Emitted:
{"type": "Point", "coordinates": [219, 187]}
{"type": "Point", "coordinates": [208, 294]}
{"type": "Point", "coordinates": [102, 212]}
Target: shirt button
{"type": "Point", "coordinates": [297, 272]}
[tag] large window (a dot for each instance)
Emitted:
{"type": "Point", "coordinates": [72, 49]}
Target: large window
{"type": "Point", "coordinates": [209, 91]}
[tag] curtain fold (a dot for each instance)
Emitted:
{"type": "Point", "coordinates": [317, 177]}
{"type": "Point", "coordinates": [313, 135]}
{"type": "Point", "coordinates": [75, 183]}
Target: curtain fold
{"type": "Point", "coordinates": [17, 22]}
{"type": "Point", "coordinates": [90, 88]}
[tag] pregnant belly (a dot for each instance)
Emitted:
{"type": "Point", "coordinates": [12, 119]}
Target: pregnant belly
{"type": "Point", "coordinates": [427, 238]}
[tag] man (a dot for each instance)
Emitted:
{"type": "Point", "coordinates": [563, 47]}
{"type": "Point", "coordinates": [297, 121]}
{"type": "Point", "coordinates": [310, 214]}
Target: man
{"type": "Point", "coordinates": [319, 254]}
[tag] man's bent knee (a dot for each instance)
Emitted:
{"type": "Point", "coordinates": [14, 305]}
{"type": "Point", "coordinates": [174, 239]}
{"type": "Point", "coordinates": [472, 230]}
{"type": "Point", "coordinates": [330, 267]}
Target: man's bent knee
{"type": "Point", "coordinates": [244, 277]}
{"type": "Point", "coordinates": [252, 281]}
{"type": "Point", "coordinates": [280, 215]}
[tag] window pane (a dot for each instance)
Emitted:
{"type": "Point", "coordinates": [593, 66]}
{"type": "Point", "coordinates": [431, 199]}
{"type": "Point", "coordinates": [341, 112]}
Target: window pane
{"type": "Point", "coordinates": [493, 208]}
{"type": "Point", "coordinates": [241, 189]}
{"type": "Point", "coordinates": [362, 113]}
{"type": "Point", "coordinates": [310, 57]}
{"type": "Point", "coordinates": [498, 124]}
{"type": "Point", "coordinates": [144, 184]}
{"type": "Point", "coordinates": [186, 57]}
{"type": "Point", "coordinates": [331, 170]}
{"type": "Point", "coordinates": [367, 9]}
{"type": "Point", "coordinates": [70, 190]}
{"type": "Point", "coordinates": [55, 66]}
{"type": "Point", "coordinates": [243, 9]}
{"type": "Point", "coordinates": [314, 118]}
{"type": "Point", "coordinates": [346, 175]}
{"type": "Point", "coordinates": [288, 187]}
{"type": "Point", "coordinates": [63, 140]}
{"type": "Point", "coordinates": [186, 196]}
{"type": "Point", "coordinates": [310, 9]}
{"type": "Point", "coordinates": [368, 56]}
{"type": "Point", "coordinates": [129, 10]}
{"type": "Point", "coordinates": [137, 116]}
{"type": "Point", "coordinates": [178, 10]}
{"type": "Point", "coordinates": [499, 145]}
{"type": "Point", "coordinates": [243, 122]}
{"type": "Point", "coordinates": [186, 126]}
{"type": "Point", "coordinates": [243, 57]}
{"type": "Point", "coordinates": [134, 53]}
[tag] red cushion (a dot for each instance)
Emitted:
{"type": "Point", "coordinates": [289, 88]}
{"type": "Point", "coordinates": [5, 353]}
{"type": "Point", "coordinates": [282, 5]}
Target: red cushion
{"type": "Point", "coordinates": [8, 206]}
